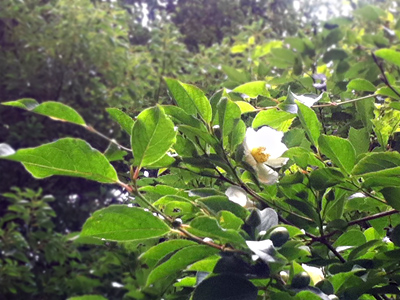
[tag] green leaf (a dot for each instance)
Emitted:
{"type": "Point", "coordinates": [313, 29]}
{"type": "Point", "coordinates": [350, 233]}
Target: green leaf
{"type": "Point", "coordinates": [323, 178]}
{"type": "Point", "coordinates": [67, 157]}
{"type": "Point", "coordinates": [389, 55]}
{"type": "Point", "coordinates": [277, 119]}
{"type": "Point", "coordinates": [365, 109]}
{"type": "Point", "coordinates": [88, 297]}
{"type": "Point", "coordinates": [124, 120]}
{"type": "Point", "coordinates": [235, 75]}
{"type": "Point", "coordinates": [351, 238]}
{"type": "Point", "coordinates": [237, 135]}
{"type": "Point", "coordinates": [334, 54]}
{"type": "Point", "coordinates": [310, 122]}
{"type": "Point", "coordinates": [113, 153]}
{"type": "Point", "coordinates": [228, 112]}
{"type": "Point", "coordinates": [359, 138]}
{"type": "Point", "coordinates": [304, 207]}
{"type": "Point", "coordinates": [362, 85]}
{"type": "Point", "coordinates": [152, 135]}
{"type": "Point", "coordinates": [190, 98]}
{"type": "Point", "coordinates": [245, 107]}
{"type": "Point", "coordinates": [378, 164]}
{"type": "Point", "coordinates": [209, 227]}
{"type": "Point", "coordinates": [225, 287]}
{"type": "Point", "coordinates": [386, 91]}
{"type": "Point", "coordinates": [180, 116]}
{"type": "Point", "coordinates": [228, 220]}
{"type": "Point", "coordinates": [179, 261]}
{"type": "Point", "coordinates": [123, 223]}
{"type": "Point", "coordinates": [52, 109]}
{"type": "Point", "coordinates": [392, 196]}
{"type": "Point", "coordinates": [339, 150]}
{"type": "Point", "coordinates": [157, 252]}
{"type": "Point", "coordinates": [361, 250]}
{"type": "Point", "coordinates": [253, 89]}
{"type": "Point", "coordinates": [218, 203]}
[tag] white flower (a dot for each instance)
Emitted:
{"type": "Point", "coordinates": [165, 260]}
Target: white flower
{"type": "Point", "coordinates": [315, 273]}
{"type": "Point", "coordinates": [262, 150]}
{"type": "Point", "coordinates": [239, 196]}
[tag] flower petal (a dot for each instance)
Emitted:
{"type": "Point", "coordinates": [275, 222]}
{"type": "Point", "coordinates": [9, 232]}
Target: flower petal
{"type": "Point", "coordinates": [237, 195]}
{"type": "Point", "coordinates": [266, 174]}
{"type": "Point", "coordinates": [315, 273]}
{"type": "Point", "coordinates": [250, 140]}
{"type": "Point", "coordinates": [277, 162]}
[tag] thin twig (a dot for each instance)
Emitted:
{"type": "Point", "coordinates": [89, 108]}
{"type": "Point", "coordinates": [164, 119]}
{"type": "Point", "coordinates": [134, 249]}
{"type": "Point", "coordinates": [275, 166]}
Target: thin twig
{"type": "Point", "coordinates": [383, 77]}
{"type": "Point", "coordinates": [91, 129]}
{"type": "Point", "coordinates": [344, 102]}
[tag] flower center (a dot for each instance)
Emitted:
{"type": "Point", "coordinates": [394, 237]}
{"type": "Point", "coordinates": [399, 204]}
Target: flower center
{"type": "Point", "coordinates": [259, 154]}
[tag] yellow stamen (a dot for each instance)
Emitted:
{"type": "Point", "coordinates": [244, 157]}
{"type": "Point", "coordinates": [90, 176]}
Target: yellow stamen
{"type": "Point", "coordinates": [259, 154]}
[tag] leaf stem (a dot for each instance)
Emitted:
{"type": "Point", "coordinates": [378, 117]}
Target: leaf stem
{"type": "Point", "coordinates": [91, 129]}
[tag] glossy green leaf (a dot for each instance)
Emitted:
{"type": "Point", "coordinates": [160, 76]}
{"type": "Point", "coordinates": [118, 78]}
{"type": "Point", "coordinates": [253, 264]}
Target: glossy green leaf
{"type": "Point", "coordinates": [245, 107]}
{"type": "Point", "coordinates": [361, 85]}
{"type": "Point", "coordinates": [360, 140]}
{"type": "Point", "coordinates": [157, 252]}
{"type": "Point", "coordinates": [52, 109]}
{"type": "Point", "coordinates": [339, 150]}
{"type": "Point", "coordinates": [124, 120]}
{"type": "Point", "coordinates": [190, 98]}
{"type": "Point", "coordinates": [389, 55]}
{"type": "Point", "coordinates": [228, 220]}
{"type": "Point", "coordinates": [179, 261]}
{"type": "Point", "coordinates": [392, 196]}
{"type": "Point", "coordinates": [361, 250]}
{"type": "Point", "coordinates": [228, 112]}
{"type": "Point", "coordinates": [152, 135]}
{"type": "Point", "coordinates": [378, 164]}
{"type": "Point", "coordinates": [179, 116]}
{"type": "Point", "coordinates": [225, 287]}
{"type": "Point", "coordinates": [67, 157]}
{"type": "Point", "coordinates": [218, 203]}
{"type": "Point", "coordinates": [237, 135]}
{"type": "Point", "coordinates": [124, 223]}
{"type": "Point", "coordinates": [304, 207]}
{"type": "Point", "coordinates": [323, 178]}
{"type": "Point", "coordinates": [209, 227]}
{"type": "Point", "coordinates": [351, 238]}
{"type": "Point", "coordinates": [310, 122]}
{"type": "Point", "coordinates": [277, 119]}
{"type": "Point", "coordinates": [253, 89]}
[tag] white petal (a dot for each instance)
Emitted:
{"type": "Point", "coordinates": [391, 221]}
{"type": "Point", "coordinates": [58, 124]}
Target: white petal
{"type": "Point", "coordinates": [277, 149]}
{"type": "Point", "coordinates": [315, 273]}
{"type": "Point", "coordinates": [277, 162]}
{"type": "Point", "coordinates": [265, 174]}
{"type": "Point", "coordinates": [308, 101]}
{"type": "Point", "coordinates": [250, 140]}
{"type": "Point", "coordinates": [237, 195]}
{"type": "Point", "coordinates": [269, 136]}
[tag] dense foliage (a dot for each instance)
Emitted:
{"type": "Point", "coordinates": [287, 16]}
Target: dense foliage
{"type": "Point", "coordinates": [262, 167]}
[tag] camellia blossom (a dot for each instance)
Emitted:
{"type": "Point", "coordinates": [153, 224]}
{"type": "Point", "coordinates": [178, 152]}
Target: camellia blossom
{"type": "Point", "coordinates": [262, 150]}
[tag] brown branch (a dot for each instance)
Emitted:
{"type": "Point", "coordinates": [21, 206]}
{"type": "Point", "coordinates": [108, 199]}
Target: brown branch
{"type": "Point", "coordinates": [383, 77]}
